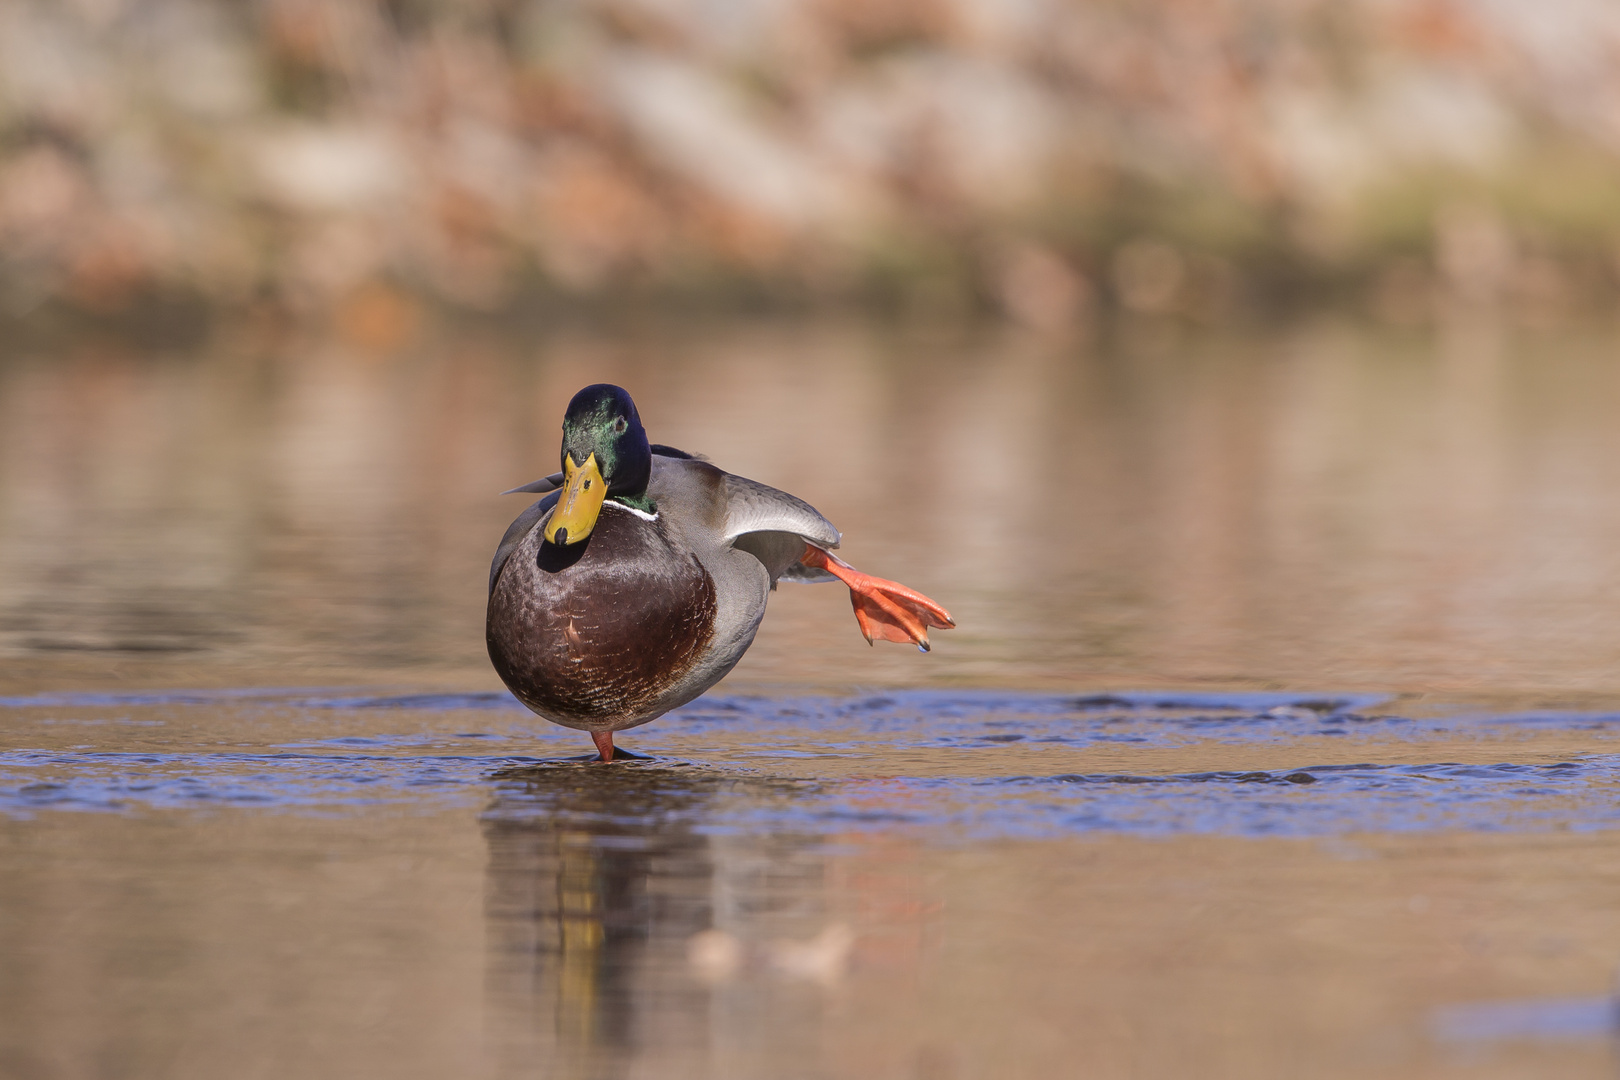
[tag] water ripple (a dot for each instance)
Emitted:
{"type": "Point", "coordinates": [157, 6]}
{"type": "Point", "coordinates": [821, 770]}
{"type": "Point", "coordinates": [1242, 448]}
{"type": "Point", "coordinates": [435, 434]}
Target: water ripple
{"type": "Point", "coordinates": [345, 760]}
{"type": "Point", "coordinates": [31, 780]}
{"type": "Point", "coordinates": [1319, 801]}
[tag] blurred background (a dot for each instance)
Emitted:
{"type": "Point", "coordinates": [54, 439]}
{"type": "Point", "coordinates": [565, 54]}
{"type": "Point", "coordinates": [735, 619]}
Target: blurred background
{"type": "Point", "coordinates": [1031, 156]}
{"type": "Point", "coordinates": [1290, 321]}
{"type": "Point", "coordinates": [1215, 345]}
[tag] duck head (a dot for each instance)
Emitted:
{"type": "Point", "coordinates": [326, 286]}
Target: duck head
{"type": "Point", "coordinates": [605, 455]}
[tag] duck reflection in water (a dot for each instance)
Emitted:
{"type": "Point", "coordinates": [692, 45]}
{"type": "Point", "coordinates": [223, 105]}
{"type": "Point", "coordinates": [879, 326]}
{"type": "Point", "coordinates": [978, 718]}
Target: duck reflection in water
{"type": "Point", "coordinates": [598, 884]}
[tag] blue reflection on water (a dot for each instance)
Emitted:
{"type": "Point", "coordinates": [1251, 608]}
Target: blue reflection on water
{"type": "Point", "coordinates": [425, 765]}
{"type": "Point", "coordinates": [1554, 1019]}
{"type": "Point", "coordinates": [33, 780]}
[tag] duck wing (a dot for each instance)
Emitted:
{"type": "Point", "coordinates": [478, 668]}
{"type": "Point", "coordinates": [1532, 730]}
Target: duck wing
{"type": "Point", "coordinates": [540, 486]}
{"type": "Point", "coordinates": [774, 527]}
{"type": "Point", "coordinates": [795, 543]}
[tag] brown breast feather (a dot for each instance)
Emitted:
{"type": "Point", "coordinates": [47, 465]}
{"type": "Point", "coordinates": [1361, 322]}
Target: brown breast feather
{"type": "Point", "coordinates": [595, 633]}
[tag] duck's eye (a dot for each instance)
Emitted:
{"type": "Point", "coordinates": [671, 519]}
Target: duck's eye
{"type": "Point", "coordinates": [619, 425]}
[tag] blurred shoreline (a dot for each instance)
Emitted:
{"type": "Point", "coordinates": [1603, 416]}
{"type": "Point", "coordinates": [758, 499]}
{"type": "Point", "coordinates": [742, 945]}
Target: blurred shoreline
{"type": "Point", "coordinates": [1045, 161]}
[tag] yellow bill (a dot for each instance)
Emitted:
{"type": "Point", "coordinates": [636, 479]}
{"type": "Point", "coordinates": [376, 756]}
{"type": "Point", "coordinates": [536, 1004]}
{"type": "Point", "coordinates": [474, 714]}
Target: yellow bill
{"type": "Point", "coordinates": [581, 502]}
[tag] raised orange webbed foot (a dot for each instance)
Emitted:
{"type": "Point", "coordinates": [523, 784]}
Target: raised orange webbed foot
{"type": "Point", "coordinates": [884, 609]}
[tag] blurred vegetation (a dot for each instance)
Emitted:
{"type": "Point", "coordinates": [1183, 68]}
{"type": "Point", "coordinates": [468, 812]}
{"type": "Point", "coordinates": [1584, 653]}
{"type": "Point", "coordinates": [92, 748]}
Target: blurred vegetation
{"type": "Point", "coordinates": [1040, 157]}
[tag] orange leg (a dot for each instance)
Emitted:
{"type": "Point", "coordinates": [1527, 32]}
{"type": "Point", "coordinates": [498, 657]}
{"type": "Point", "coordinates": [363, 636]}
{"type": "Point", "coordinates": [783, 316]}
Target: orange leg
{"type": "Point", "coordinates": [884, 609]}
{"type": "Point", "coordinates": [604, 744]}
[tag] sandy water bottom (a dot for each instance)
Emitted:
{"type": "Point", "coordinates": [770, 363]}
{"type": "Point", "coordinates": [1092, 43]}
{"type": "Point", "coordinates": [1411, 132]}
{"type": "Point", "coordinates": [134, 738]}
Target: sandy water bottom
{"type": "Point", "coordinates": [916, 884]}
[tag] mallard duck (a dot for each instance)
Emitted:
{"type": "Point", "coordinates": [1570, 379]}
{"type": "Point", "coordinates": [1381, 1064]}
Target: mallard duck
{"type": "Point", "coordinates": [639, 580]}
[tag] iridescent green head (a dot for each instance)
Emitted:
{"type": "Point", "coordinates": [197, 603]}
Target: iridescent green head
{"type": "Point", "coordinates": [605, 455]}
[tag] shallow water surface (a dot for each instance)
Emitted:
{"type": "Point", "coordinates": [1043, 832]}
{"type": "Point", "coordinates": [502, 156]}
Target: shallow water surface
{"type": "Point", "coordinates": [945, 766]}
{"type": "Point", "coordinates": [918, 883]}
{"type": "Point", "coordinates": [1280, 736]}
{"type": "Point", "coordinates": [1323, 504]}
